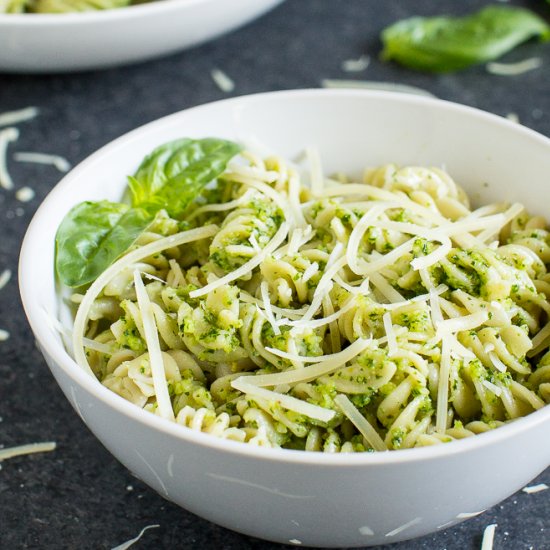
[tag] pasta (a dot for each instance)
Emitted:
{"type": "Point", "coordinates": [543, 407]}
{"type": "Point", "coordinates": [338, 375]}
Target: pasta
{"type": "Point", "coordinates": [328, 314]}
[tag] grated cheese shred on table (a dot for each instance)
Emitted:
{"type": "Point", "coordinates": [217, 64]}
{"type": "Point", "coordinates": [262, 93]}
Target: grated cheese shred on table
{"type": "Point", "coordinates": [488, 537]}
{"type": "Point", "coordinates": [224, 83]}
{"type": "Point", "coordinates": [10, 118]}
{"type": "Point", "coordinates": [30, 448]}
{"type": "Point", "coordinates": [6, 137]}
{"type": "Point", "coordinates": [356, 65]}
{"type": "Point", "coordinates": [535, 488]}
{"type": "Point", "coordinates": [514, 69]}
{"type": "Point", "coordinates": [128, 543]}
{"type": "Point", "coordinates": [5, 277]}
{"type": "Point", "coordinates": [25, 194]}
{"type": "Point", "coordinates": [61, 163]}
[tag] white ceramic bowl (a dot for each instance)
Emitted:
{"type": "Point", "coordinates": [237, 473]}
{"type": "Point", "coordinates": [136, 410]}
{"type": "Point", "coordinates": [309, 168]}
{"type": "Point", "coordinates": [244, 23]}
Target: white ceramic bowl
{"type": "Point", "coordinates": [290, 496]}
{"type": "Point", "coordinates": [93, 40]}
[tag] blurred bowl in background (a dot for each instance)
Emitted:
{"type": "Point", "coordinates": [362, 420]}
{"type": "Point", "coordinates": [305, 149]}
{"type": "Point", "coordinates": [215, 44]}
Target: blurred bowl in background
{"type": "Point", "coordinates": [38, 43]}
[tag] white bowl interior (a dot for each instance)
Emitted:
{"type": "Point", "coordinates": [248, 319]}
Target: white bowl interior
{"type": "Point", "coordinates": [492, 158]}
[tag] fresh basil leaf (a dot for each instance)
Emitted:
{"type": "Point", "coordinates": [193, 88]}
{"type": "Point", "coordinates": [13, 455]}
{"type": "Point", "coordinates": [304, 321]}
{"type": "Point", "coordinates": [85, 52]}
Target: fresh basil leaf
{"type": "Point", "coordinates": [92, 236]}
{"type": "Point", "coordinates": [175, 173]}
{"type": "Point", "coordinates": [150, 177]}
{"type": "Point", "coordinates": [441, 44]}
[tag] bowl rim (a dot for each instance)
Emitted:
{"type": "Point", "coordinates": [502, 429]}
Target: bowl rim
{"type": "Point", "coordinates": [101, 16]}
{"type": "Point", "coordinates": [57, 352]}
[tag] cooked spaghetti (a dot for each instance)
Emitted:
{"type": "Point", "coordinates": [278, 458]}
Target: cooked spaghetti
{"type": "Point", "coordinates": [298, 311]}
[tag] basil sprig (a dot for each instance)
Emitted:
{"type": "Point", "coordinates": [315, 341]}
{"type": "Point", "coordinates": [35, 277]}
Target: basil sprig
{"type": "Point", "coordinates": [442, 44]}
{"type": "Point", "coordinates": [175, 174]}
{"type": "Point", "coordinates": [94, 234]}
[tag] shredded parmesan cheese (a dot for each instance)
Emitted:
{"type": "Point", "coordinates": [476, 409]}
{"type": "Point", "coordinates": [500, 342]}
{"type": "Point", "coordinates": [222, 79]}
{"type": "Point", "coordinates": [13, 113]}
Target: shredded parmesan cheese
{"type": "Point", "coordinates": [264, 290]}
{"type": "Point", "coordinates": [360, 290]}
{"type": "Point", "coordinates": [224, 83]}
{"type": "Point", "coordinates": [5, 278]}
{"type": "Point", "coordinates": [540, 340]}
{"type": "Point", "coordinates": [298, 238]}
{"type": "Point", "coordinates": [360, 422]}
{"type": "Point", "coordinates": [25, 194]}
{"type": "Point", "coordinates": [96, 346]}
{"type": "Point", "coordinates": [253, 241]}
{"type": "Point", "coordinates": [497, 363]}
{"type": "Point", "coordinates": [458, 350]}
{"type": "Point", "coordinates": [324, 286]}
{"type": "Point", "coordinates": [285, 401]}
{"type": "Point", "coordinates": [221, 207]}
{"type": "Point", "coordinates": [506, 217]}
{"type": "Point", "coordinates": [153, 277]}
{"type": "Point", "coordinates": [295, 314]}
{"type": "Point", "coordinates": [325, 365]}
{"type": "Point", "coordinates": [294, 200]}
{"type": "Point", "coordinates": [492, 223]}
{"type": "Point", "coordinates": [316, 323]}
{"type": "Point", "coordinates": [513, 69]}
{"type": "Point", "coordinates": [387, 259]}
{"type": "Point", "coordinates": [28, 449]}
{"type": "Point", "coordinates": [356, 65]}
{"type": "Point", "coordinates": [514, 117]}
{"type": "Point", "coordinates": [6, 136]}
{"type": "Point", "coordinates": [128, 543]}
{"type": "Point", "coordinates": [466, 322]}
{"type": "Point", "coordinates": [435, 308]}
{"type": "Point", "coordinates": [433, 294]}
{"type": "Point", "coordinates": [277, 240]}
{"type": "Point", "coordinates": [390, 334]}
{"type": "Point", "coordinates": [153, 347]}
{"type": "Point", "coordinates": [492, 387]}
{"type": "Point", "coordinates": [437, 255]}
{"type": "Point", "coordinates": [488, 537]}
{"type": "Point", "coordinates": [310, 272]}
{"type": "Point", "coordinates": [535, 488]}
{"type": "Point", "coordinates": [61, 163]}
{"type": "Point", "coordinates": [10, 118]}
{"type": "Point", "coordinates": [443, 388]}
{"type": "Point", "coordinates": [385, 288]}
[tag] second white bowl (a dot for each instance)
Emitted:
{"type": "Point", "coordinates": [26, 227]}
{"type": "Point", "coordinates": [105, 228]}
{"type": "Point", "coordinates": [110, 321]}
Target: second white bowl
{"type": "Point", "coordinates": [93, 40]}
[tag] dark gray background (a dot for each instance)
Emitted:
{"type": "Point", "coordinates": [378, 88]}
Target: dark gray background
{"type": "Point", "coordinates": [78, 496]}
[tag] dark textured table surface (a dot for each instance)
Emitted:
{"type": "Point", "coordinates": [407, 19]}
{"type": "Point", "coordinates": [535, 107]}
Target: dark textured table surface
{"type": "Point", "coordinates": [79, 496]}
